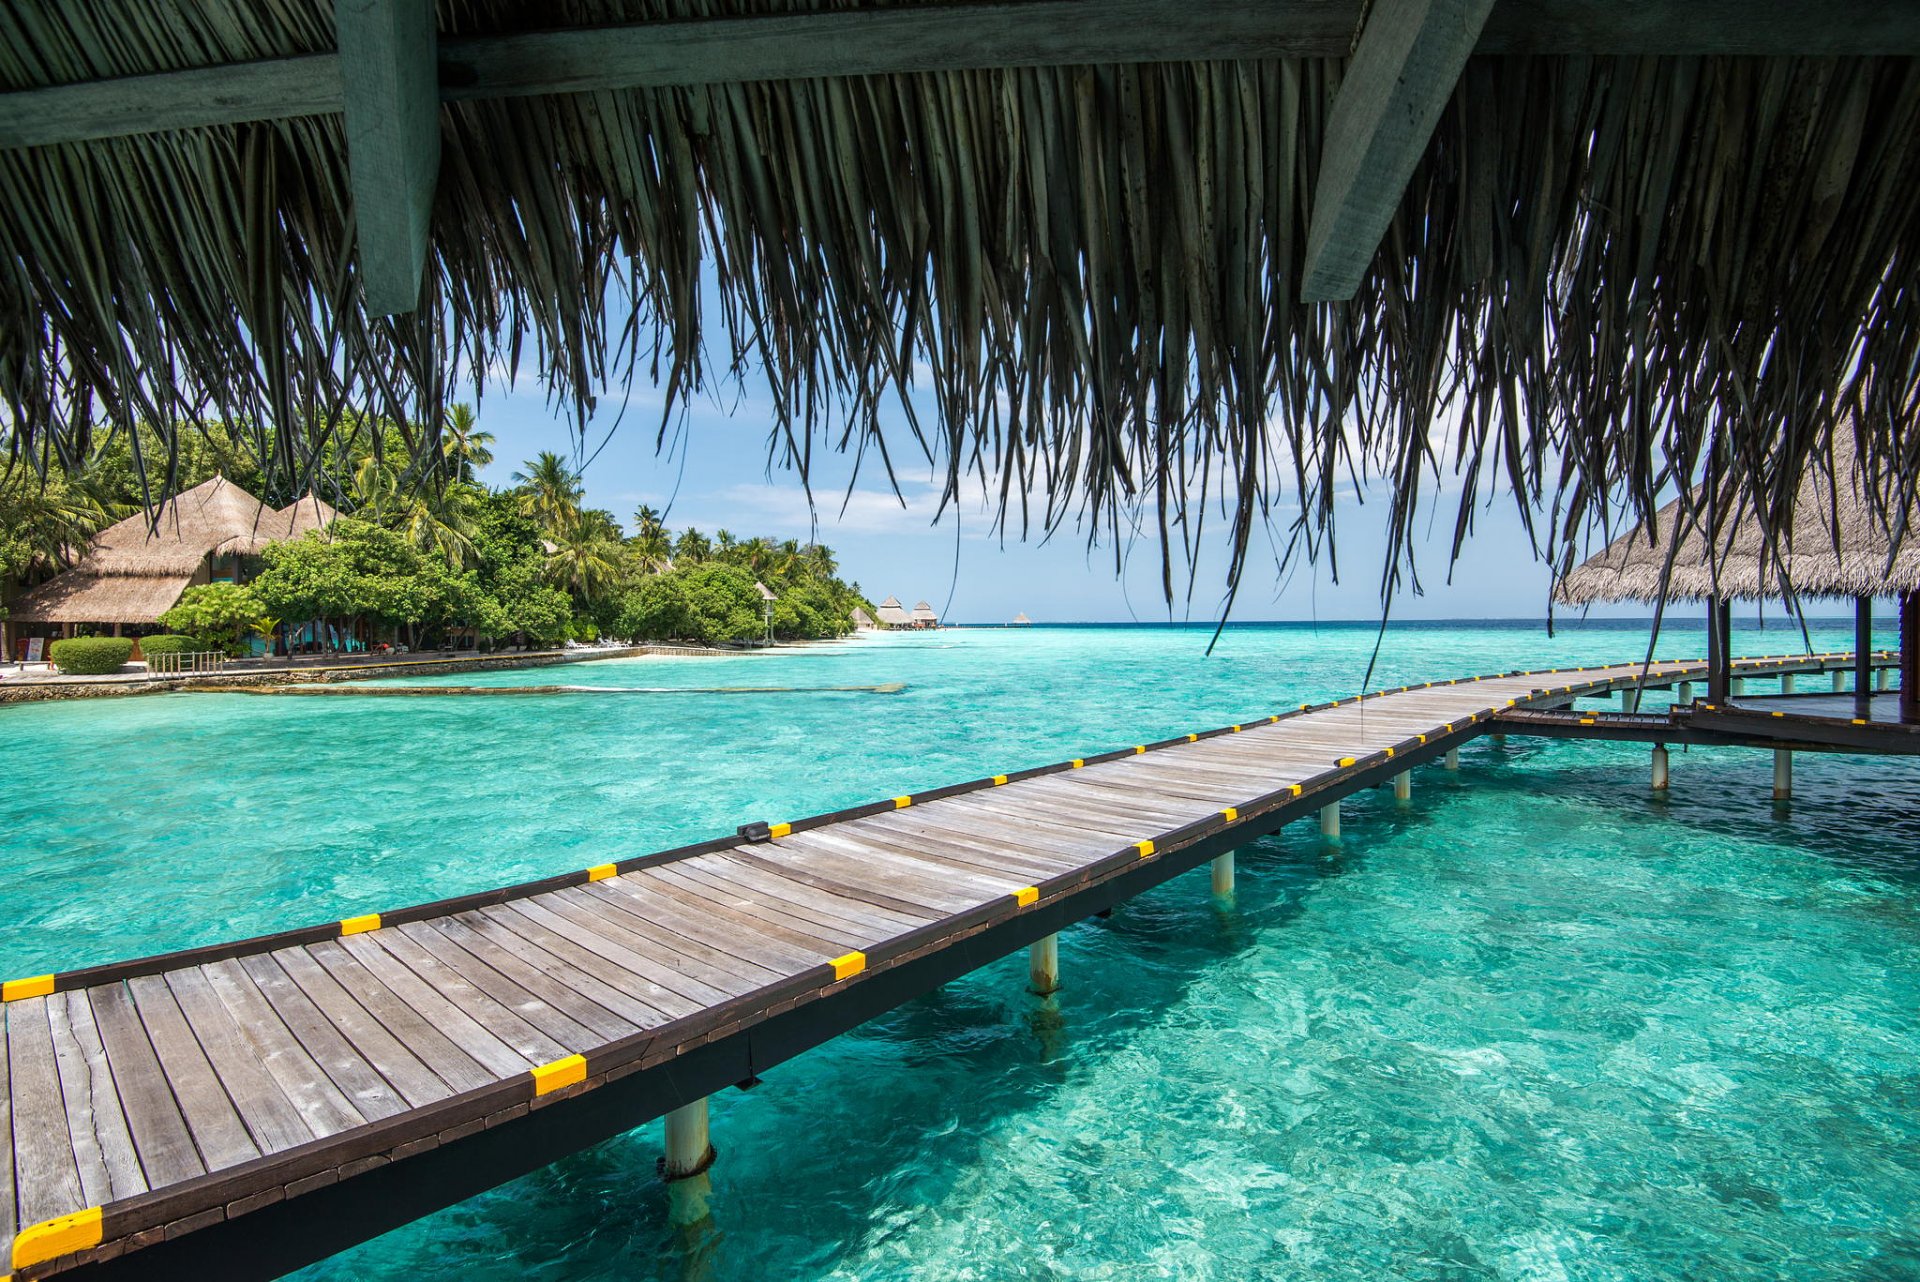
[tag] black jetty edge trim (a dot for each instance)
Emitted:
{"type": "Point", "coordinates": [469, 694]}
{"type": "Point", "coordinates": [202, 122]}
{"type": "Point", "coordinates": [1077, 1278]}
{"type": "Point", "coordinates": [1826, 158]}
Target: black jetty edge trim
{"type": "Point", "coordinates": [109, 972]}
{"type": "Point", "coordinates": [169, 1231]}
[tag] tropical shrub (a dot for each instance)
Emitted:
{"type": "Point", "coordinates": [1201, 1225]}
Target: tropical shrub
{"type": "Point", "coordinates": [219, 614]}
{"type": "Point", "coordinates": [170, 644]}
{"type": "Point", "coordinates": [91, 656]}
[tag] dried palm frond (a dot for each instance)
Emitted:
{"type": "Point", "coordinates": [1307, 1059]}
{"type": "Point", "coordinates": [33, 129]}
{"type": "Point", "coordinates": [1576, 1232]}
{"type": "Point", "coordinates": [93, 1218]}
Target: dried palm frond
{"type": "Point", "coordinates": [1609, 278]}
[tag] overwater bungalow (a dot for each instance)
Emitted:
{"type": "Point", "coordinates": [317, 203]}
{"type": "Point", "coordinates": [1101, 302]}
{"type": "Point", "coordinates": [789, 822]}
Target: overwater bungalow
{"type": "Point", "coordinates": [923, 616]}
{"type": "Point", "coordinates": [134, 571]}
{"type": "Point", "coordinates": [1840, 543]}
{"type": "Point", "coordinates": [894, 615]}
{"type": "Point", "coordinates": [1021, 619]}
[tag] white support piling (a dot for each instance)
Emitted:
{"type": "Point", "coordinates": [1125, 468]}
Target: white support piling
{"type": "Point", "coordinates": [1786, 683]}
{"type": "Point", "coordinates": [689, 1154]}
{"type": "Point", "coordinates": [1659, 767]}
{"type": "Point", "coordinates": [1452, 761]}
{"type": "Point", "coordinates": [1880, 676]}
{"type": "Point", "coordinates": [1685, 694]}
{"type": "Point", "coordinates": [1630, 699]}
{"type": "Point", "coordinates": [1043, 965]}
{"type": "Point", "coordinates": [1403, 786]}
{"type": "Point", "coordinates": [1330, 819]}
{"type": "Point", "coordinates": [1782, 774]}
{"type": "Point", "coordinates": [1839, 680]}
{"type": "Point", "coordinates": [1499, 740]}
{"type": "Point", "coordinates": [1736, 686]}
{"type": "Point", "coordinates": [1223, 876]}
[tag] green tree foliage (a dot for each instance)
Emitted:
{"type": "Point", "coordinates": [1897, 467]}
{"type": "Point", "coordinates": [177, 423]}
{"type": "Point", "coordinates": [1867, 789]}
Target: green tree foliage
{"type": "Point", "coordinates": [220, 614]}
{"type": "Point", "coordinates": [360, 570]}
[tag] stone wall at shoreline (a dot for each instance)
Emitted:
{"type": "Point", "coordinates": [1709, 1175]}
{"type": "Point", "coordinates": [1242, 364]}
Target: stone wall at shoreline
{"type": "Point", "coordinates": [30, 691]}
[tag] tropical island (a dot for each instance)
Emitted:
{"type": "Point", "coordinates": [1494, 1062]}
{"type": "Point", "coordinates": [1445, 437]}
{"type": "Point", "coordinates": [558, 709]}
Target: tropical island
{"type": "Point", "coordinates": [398, 557]}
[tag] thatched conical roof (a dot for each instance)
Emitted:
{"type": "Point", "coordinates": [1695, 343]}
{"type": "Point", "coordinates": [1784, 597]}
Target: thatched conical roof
{"type": "Point", "coordinates": [1082, 231]}
{"type": "Point", "coordinates": [893, 614]}
{"type": "Point", "coordinates": [1838, 545]}
{"type": "Point", "coordinates": [135, 570]}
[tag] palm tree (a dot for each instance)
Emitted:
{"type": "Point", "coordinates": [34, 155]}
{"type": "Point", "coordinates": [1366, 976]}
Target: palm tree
{"type": "Point", "coordinates": [650, 545]}
{"type": "Point", "coordinates": [435, 518]}
{"type": "Point", "coordinates": [550, 492]}
{"type": "Point", "coordinates": [584, 559]}
{"type": "Point", "coordinates": [820, 562]}
{"type": "Point", "coordinates": [463, 445]}
{"type": "Point", "coordinates": [691, 547]}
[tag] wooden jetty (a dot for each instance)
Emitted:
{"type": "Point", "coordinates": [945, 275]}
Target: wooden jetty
{"type": "Point", "coordinates": [238, 1110]}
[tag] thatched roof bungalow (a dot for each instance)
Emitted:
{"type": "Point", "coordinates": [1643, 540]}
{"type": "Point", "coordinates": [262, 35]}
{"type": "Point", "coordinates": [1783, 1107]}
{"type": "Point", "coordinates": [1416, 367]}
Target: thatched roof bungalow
{"type": "Point", "coordinates": [862, 621]}
{"type": "Point", "coordinates": [135, 571]}
{"type": "Point", "coordinates": [894, 615]}
{"type": "Point", "coordinates": [923, 616]}
{"type": "Point", "coordinates": [1838, 544]}
{"type": "Point", "coordinates": [1142, 239]}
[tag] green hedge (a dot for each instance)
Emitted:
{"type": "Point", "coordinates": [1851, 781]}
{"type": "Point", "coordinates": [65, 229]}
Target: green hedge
{"type": "Point", "coordinates": [167, 643]}
{"type": "Point", "coordinates": [91, 656]}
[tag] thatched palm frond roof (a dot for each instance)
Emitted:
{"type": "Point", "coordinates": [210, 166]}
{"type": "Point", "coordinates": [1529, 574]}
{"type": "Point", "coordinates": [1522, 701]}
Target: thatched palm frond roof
{"type": "Point", "coordinates": [135, 570]}
{"type": "Point", "coordinates": [1609, 269]}
{"type": "Point", "coordinates": [1840, 544]}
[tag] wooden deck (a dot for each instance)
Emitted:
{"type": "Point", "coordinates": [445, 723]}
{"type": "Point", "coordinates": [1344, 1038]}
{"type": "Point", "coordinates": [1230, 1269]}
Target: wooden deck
{"type": "Point", "coordinates": [237, 1110]}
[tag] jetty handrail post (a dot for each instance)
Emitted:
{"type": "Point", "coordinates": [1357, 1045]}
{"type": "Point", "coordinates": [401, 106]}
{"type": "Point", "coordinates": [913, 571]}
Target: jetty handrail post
{"type": "Point", "coordinates": [1862, 655]}
{"type": "Point", "coordinates": [1910, 656]}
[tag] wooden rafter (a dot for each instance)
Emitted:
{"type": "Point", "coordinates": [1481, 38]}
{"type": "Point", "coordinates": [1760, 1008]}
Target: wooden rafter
{"type": "Point", "coordinates": [1409, 59]}
{"type": "Point", "coordinates": [390, 90]}
{"type": "Point", "coordinates": [939, 38]}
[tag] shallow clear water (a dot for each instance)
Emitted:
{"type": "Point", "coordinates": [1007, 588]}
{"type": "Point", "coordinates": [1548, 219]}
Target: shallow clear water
{"type": "Point", "coordinates": [1535, 1025]}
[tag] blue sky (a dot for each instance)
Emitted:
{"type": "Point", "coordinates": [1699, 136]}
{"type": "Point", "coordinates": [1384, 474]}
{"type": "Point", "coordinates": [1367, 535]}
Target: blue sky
{"type": "Point", "coordinates": [717, 475]}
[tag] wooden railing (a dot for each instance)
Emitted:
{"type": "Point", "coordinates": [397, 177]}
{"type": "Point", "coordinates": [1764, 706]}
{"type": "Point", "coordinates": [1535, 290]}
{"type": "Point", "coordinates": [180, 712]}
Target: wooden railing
{"type": "Point", "coordinates": [177, 664]}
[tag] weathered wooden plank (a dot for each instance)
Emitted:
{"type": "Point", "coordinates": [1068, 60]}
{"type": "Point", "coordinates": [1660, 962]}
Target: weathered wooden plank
{"type": "Point", "coordinates": [160, 1134]}
{"type": "Point", "coordinates": [390, 89]}
{"type": "Point", "coordinates": [497, 1039]}
{"type": "Point", "coordinates": [357, 1078]}
{"type": "Point", "coordinates": [407, 1073]}
{"type": "Point", "coordinates": [456, 1065]}
{"type": "Point", "coordinates": [45, 1169]}
{"type": "Point", "coordinates": [102, 1145]}
{"type": "Point", "coordinates": [856, 862]}
{"type": "Point", "coordinates": [628, 999]}
{"type": "Point", "coordinates": [726, 968]}
{"type": "Point", "coordinates": [739, 913]}
{"type": "Point", "coordinates": [827, 905]}
{"type": "Point", "coordinates": [827, 876]}
{"type": "Point", "coordinates": [480, 990]}
{"type": "Point", "coordinates": [321, 1101]}
{"type": "Point", "coordinates": [941, 835]}
{"type": "Point", "coordinates": [217, 1129]}
{"type": "Point", "coordinates": [659, 983]}
{"type": "Point", "coordinates": [272, 1120]}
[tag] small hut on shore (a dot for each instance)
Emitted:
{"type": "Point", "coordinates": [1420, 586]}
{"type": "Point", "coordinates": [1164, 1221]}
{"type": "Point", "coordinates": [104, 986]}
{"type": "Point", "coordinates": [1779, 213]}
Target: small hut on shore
{"type": "Point", "coordinates": [862, 621]}
{"type": "Point", "coordinates": [134, 572]}
{"type": "Point", "coordinates": [1836, 547]}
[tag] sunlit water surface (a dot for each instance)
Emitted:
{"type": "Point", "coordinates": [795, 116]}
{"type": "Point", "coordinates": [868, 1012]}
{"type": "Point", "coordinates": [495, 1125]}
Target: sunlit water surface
{"type": "Point", "coordinates": [1537, 1025]}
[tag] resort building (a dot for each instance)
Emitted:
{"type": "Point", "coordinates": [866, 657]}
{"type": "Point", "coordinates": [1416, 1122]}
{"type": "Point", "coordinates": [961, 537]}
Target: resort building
{"type": "Point", "coordinates": [924, 617]}
{"type": "Point", "coordinates": [862, 621]}
{"type": "Point", "coordinates": [894, 615]}
{"type": "Point", "coordinates": [1021, 620]}
{"type": "Point", "coordinates": [135, 571]}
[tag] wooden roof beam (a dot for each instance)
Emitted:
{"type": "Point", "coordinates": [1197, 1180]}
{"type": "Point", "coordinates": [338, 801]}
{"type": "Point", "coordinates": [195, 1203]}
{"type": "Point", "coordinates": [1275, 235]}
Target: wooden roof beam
{"type": "Point", "coordinates": [390, 91]}
{"type": "Point", "coordinates": [1409, 59]}
{"type": "Point", "coordinates": [937, 37]}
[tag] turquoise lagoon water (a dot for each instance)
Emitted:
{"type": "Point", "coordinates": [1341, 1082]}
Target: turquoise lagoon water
{"type": "Point", "coordinates": [1537, 1025]}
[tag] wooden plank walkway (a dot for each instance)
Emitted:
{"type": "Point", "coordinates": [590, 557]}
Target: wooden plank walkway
{"type": "Point", "coordinates": [216, 1110]}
